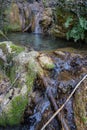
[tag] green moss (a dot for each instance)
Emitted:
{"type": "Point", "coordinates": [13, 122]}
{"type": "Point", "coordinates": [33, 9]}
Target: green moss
{"type": "Point", "coordinates": [3, 47]}
{"type": "Point", "coordinates": [12, 74]}
{"type": "Point", "coordinates": [11, 19]}
{"type": "Point", "coordinates": [30, 76]}
{"type": "Point", "coordinates": [12, 27]}
{"type": "Point", "coordinates": [3, 119]}
{"type": "Point", "coordinates": [16, 49]}
{"type": "Point", "coordinates": [15, 114]}
{"type": "Point", "coordinates": [84, 119]}
{"type": "Point", "coordinates": [50, 66]}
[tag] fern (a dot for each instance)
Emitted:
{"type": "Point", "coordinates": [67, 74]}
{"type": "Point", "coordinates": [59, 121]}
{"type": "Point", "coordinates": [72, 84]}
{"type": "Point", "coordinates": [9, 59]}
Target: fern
{"type": "Point", "coordinates": [68, 22]}
{"type": "Point", "coordinates": [78, 30]}
{"type": "Point", "coordinates": [83, 23]}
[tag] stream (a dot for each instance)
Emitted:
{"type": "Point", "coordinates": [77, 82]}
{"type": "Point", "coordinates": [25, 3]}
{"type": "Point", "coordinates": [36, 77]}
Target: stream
{"type": "Point", "coordinates": [63, 80]}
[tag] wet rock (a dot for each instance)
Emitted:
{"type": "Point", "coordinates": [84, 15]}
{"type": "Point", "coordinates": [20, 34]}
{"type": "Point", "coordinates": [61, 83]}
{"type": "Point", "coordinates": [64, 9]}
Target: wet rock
{"type": "Point", "coordinates": [46, 62]}
{"type": "Point", "coordinates": [80, 106]}
{"type": "Point", "coordinates": [65, 87]}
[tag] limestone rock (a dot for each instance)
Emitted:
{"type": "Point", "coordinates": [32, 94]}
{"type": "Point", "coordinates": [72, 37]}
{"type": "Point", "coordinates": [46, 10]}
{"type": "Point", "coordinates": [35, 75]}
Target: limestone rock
{"type": "Point", "coordinates": [46, 62]}
{"type": "Point", "coordinates": [46, 19]}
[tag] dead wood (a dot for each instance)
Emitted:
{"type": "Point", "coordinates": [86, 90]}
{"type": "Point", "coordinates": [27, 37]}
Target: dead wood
{"type": "Point", "coordinates": [59, 116]}
{"type": "Point", "coordinates": [57, 112]}
{"type": "Point", "coordinates": [48, 84]}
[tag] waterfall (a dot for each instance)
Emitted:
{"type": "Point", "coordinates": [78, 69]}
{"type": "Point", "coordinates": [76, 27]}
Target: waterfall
{"type": "Point", "coordinates": [37, 25]}
{"type": "Point", "coordinates": [38, 9]}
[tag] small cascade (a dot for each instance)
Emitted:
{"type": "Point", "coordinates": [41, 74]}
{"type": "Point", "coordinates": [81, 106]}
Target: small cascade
{"type": "Point", "coordinates": [38, 9]}
{"type": "Point", "coordinates": [38, 29]}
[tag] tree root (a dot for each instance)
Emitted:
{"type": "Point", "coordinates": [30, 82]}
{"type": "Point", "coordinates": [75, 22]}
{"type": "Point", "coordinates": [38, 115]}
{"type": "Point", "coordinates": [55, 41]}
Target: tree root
{"type": "Point", "coordinates": [57, 112]}
{"type": "Point", "coordinates": [59, 116]}
{"type": "Point", "coordinates": [48, 85]}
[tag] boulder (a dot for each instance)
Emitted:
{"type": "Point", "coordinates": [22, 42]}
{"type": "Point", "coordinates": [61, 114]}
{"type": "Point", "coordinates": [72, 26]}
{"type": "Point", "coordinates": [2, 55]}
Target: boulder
{"type": "Point", "coordinates": [46, 62]}
{"type": "Point", "coordinates": [14, 94]}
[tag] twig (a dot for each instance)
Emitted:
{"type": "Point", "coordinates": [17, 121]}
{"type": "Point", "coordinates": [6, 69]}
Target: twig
{"type": "Point", "coordinates": [64, 103]}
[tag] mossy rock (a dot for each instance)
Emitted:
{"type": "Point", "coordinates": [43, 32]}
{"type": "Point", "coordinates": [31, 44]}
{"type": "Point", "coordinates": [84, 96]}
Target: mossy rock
{"type": "Point", "coordinates": [14, 111]}
{"type": "Point", "coordinates": [27, 67]}
{"type": "Point", "coordinates": [12, 18]}
{"type": "Point", "coordinates": [80, 104]}
{"type": "Point", "coordinates": [9, 48]}
{"type": "Point", "coordinates": [46, 62]}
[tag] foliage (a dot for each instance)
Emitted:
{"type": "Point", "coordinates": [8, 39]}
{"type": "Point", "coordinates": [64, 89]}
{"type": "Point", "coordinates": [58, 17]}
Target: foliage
{"type": "Point", "coordinates": [68, 22]}
{"type": "Point", "coordinates": [77, 25]}
{"type": "Point", "coordinates": [78, 30]}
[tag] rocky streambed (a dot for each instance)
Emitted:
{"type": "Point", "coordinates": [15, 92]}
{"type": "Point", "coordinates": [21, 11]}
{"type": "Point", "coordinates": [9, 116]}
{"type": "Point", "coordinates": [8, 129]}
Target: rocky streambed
{"type": "Point", "coordinates": [33, 85]}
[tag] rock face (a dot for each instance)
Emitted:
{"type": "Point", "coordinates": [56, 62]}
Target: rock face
{"type": "Point", "coordinates": [46, 20]}
{"type": "Point", "coordinates": [17, 15]}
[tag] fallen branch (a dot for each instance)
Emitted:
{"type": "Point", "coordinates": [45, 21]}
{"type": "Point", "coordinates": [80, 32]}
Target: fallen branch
{"type": "Point", "coordinates": [65, 102]}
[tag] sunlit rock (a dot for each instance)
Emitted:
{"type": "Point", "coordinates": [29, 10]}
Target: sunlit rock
{"type": "Point", "coordinates": [46, 62]}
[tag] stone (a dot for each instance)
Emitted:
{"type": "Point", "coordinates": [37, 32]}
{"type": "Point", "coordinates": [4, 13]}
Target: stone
{"type": "Point", "coordinates": [46, 62]}
{"type": "Point", "coordinates": [60, 54]}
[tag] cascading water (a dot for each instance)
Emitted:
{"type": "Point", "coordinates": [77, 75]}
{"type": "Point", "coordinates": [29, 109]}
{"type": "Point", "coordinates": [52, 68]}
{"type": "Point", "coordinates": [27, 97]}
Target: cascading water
{"type": "Point", "coordinates": [38, 11]}
{"type": "Point", "coordinates": [38, 29]}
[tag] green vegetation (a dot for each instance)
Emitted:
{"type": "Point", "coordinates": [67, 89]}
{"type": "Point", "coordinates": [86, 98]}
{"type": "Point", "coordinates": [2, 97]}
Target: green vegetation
{"type": "Point", "coordinates": [16, 49]}
{"type": "Point", "coordinates": [84, 119]}
{"type": "Point", "coordinates": [73, 17]}
{"type": "Point", "coordinates": [14, 115]}
{"type": "Point", "coordinates": [16, 112]}
{"type": "Point", "coordinates": [77, 31]}
{"type": "Point", "coordinates": [49, 66]}
{"type": "Point", "coordinates": [30, 76]}
{"type": "Point", "coordinates": [11, 28]}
